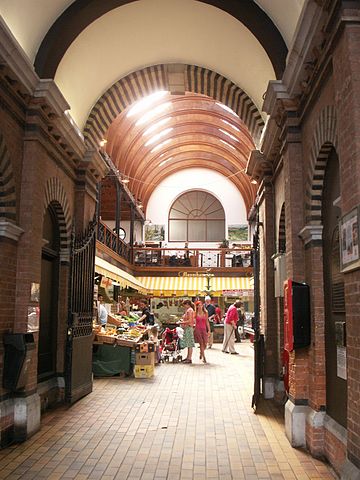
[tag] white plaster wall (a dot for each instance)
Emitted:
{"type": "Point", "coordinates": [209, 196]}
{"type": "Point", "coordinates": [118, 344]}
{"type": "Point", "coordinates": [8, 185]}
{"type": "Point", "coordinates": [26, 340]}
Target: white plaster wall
{"type": "Point", "coordinates": [196, 178]}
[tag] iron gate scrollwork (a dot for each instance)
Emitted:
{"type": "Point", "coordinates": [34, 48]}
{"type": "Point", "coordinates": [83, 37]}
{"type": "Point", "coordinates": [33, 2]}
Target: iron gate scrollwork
{"type": "Point", "coordinates": [78, 378]}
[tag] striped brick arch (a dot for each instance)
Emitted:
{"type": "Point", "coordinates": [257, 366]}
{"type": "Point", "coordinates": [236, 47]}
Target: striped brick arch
{"type": "Point", "coordinates": [151, 79]}
{"type": "Point", "coordinates": [282, 231]}
{"type": "Point", "coordinates": [7, 185]}
{"type": "Point", "coordinates": [324, 140]}
{"type": "Point", "coordinates": [56, 197]}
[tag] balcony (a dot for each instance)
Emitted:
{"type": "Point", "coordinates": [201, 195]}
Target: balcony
{"type": "Point", "coordinates": [155, 261]}
{"type": "Point", "coordinates": [170, 259]}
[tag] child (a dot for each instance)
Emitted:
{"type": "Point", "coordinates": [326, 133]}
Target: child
{"type": "Point", "coordinates": [153, 337]}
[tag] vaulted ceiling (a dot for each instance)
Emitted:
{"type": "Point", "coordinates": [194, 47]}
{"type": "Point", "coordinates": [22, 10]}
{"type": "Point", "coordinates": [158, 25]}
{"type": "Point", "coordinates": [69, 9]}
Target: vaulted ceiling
{"type": "Point", "coordinates": [149, 141]}
{"type": "Point", "coordinates": [97, 52]}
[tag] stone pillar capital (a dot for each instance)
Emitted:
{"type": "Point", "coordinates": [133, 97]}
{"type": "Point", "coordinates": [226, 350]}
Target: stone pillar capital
{"type": "Point", "coordinates": [10, 230]}
{"type": "Point", "coordinates": [311, 233]}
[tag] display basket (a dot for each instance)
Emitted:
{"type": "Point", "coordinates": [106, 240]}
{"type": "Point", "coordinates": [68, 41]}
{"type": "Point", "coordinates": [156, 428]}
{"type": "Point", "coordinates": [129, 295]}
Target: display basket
{"type": "Point", "coordinates": [106, 339]}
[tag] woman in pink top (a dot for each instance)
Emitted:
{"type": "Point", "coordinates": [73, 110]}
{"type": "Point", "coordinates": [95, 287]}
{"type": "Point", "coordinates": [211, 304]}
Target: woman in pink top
{"type": "Point", "coordinates": [202, 328]}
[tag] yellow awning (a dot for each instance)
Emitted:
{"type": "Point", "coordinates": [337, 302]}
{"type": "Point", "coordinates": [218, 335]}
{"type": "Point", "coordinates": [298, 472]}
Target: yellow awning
{"type": "Point", "coordinates": [123, 278]}
{"type": "Point", "coordinates": [194, 285]}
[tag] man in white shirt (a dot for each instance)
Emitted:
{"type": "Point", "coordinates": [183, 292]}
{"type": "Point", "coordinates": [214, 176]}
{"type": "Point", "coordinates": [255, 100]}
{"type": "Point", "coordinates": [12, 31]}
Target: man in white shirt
{"type": "Point", "coordinates": [103, 314]}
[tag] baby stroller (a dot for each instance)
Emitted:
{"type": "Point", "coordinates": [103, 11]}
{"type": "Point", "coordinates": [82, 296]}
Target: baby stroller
{"type": "Point", "coordinates": [171, 345]}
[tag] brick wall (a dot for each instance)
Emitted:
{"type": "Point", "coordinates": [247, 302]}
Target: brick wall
{"type": "Point", "coordinates": [347, 98]}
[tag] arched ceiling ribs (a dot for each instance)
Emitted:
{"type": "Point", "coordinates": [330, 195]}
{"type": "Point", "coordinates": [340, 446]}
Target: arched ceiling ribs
{"type": "Point", "coordinates": [142, 83]}
{"type": "Point", "coordinates": [81, 13]}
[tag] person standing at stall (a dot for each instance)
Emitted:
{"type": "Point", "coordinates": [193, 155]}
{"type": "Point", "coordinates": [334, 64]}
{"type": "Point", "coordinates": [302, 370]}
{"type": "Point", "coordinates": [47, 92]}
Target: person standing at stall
{"type": "Point", "coordinates": [147, 318]}
{"type": "Point", "coordinates": [211, 315]}
{"type": "Point", "coordinates": [104, 316]}
{"type": "Point", "coordinates": [187, 323]}
{"type": "Point", "coordinates": [230, 326]}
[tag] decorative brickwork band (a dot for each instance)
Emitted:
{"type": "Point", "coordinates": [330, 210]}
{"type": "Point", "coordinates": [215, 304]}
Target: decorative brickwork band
{"type": "Point", "coordinates": [7, 185]}
{"type": "Point", "coordinates": [56, 196]}
{"type": "Point", "coordinates": [324, 139]}
{"type": "Point", "coordinates": [139, 84]}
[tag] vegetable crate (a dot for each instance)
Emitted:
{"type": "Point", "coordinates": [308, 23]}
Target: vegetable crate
{"type": "Point", "coordinates": [144, 371]}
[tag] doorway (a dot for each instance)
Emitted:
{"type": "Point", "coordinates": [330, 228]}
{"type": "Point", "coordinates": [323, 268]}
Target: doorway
{"type": "Point", "coordinates": [49, 289]}
{"type": "Point", "coordinates": [335, 332]}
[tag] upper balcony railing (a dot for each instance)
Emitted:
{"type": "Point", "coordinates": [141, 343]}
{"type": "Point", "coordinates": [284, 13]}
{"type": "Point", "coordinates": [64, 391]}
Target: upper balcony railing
{"type": "Point", "coordinates": [192, 257]}
{"type": "Point", "coordinates": [151, 257]}
{"type": "Point", "coordinates": [106, 236]}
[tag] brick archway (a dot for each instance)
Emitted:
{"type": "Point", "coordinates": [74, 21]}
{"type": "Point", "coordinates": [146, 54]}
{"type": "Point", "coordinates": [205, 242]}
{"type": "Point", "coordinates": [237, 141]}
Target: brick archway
{"type": "Point", "coordinates": [55, 196]}
{"type": "Point", "coordinates": [324, 139]}
{"type": "Point", "coordinates": [139, 84]}
{"type": "Point", "coordinates": [7, 184]}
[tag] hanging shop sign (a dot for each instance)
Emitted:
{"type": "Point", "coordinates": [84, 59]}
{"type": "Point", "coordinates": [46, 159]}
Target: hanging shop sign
{"type": "Point", "coordinates": [238, 293]}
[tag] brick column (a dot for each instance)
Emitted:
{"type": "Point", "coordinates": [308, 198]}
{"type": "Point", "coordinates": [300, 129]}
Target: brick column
{"type": "Point", "coordinates": [27, 407]}
{"type": "Point", "coordinates": [347, 99]}
{"type": "Point", "coordinates": [312, 237]}
{"type": "Point", "coordinates": [9, 237]}
{"type": "Point", "coordinates": [268, 308]}
{"type": "Point", "coordinates": [296, 407]}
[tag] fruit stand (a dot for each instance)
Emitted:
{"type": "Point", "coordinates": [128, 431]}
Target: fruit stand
{"type": "Point", "coordinates": [114, 347]}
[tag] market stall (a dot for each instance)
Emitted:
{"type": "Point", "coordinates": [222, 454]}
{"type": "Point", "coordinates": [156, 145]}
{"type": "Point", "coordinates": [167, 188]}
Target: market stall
{"type": "Point", "coordinates": [115, 348]}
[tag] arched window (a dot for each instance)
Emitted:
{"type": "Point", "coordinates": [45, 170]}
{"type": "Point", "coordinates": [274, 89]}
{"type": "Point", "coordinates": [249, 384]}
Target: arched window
{"type": "Point", "coordinates": [196, 216]}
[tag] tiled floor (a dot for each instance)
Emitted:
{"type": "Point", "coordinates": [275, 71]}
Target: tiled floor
{"type": "Point", "coordinates": [188, 422]}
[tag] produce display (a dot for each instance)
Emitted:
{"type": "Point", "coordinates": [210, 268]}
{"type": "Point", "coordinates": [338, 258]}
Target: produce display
{"type": "Point", "coordinates": [127, 333]}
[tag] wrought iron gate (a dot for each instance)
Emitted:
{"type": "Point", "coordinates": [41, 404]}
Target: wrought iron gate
{"type": "Point", "coordinates": [258, 337]}
{"type": "Point", "coordinates": [78, 369]}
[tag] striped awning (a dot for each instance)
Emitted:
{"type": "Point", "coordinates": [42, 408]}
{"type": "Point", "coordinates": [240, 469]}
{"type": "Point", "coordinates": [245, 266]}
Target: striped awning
{"type": "Point", "coordinates": [120, 276]}
{"type": "Point", "coordinates": [194, 285]}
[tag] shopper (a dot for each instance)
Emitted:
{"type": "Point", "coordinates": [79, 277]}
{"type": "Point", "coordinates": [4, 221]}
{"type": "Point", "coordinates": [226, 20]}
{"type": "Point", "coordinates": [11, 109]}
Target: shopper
{"type": "Point", "coordinates": [218, 314]}
{"type": "Point", "coordinates": [202, 328]}
{"type": "Point", "coordinates": [230, 323]}
{"type": "Point", "coordinates": [187, 323]}
{"type": "Point", "coordinates": [211, 315]}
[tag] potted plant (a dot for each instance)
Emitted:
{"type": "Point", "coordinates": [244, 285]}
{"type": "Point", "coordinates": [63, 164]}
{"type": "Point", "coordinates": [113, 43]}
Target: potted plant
{"type": "Point", "coordinates": [224, 243]}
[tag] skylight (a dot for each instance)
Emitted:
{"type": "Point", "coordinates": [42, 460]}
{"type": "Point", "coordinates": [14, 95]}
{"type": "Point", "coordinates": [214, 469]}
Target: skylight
{"type": "Point", "coordinates": [156, 125]}
{"type": "Point", "coordinates": [228, 144]}
{"type": "Point", "coordinates": [152, 113]}
{"type": "Point", "coordinates": [159, 135]}
{"type": "Point", "coordinates": [160, 145]}
{"type": "Point", "coordinates": [231, 125]}
{"type": "Point", "coordinates": [145, 103]}
{"type": "Point", "coordinates": [228, 109]}
{"type": "Point", "coordinates": [228, 134]}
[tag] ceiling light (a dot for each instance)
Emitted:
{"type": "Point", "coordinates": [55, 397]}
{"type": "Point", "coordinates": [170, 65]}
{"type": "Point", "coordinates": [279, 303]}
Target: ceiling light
{"type": "Point", "coordinates": [253, 181]}
{"type": "Point", "coordinates": [125, 180]}
{"type": "Point", "coordinates": [102, 142]}
{"type": "Point", "coordinates": [228, 134]}
{"type": "Point", "coordinates": [165, 161]}
{"type": "Point", "coordinates": [227, 144]}
{"type": "Point", "coordinates": [231, 125]}
{"type": "Point", "coordinates": [152, 113]}
{"type": "Point", "coordinates": [145, 103]}
{"type": "Point", "coordinates": [158, 136]}
{"type": "Point", "coordinates": [228, 109]}
{"type": "Point", "coordinates": [157, 147]}
{"type": "Point", "coordinates": [157, 125]}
